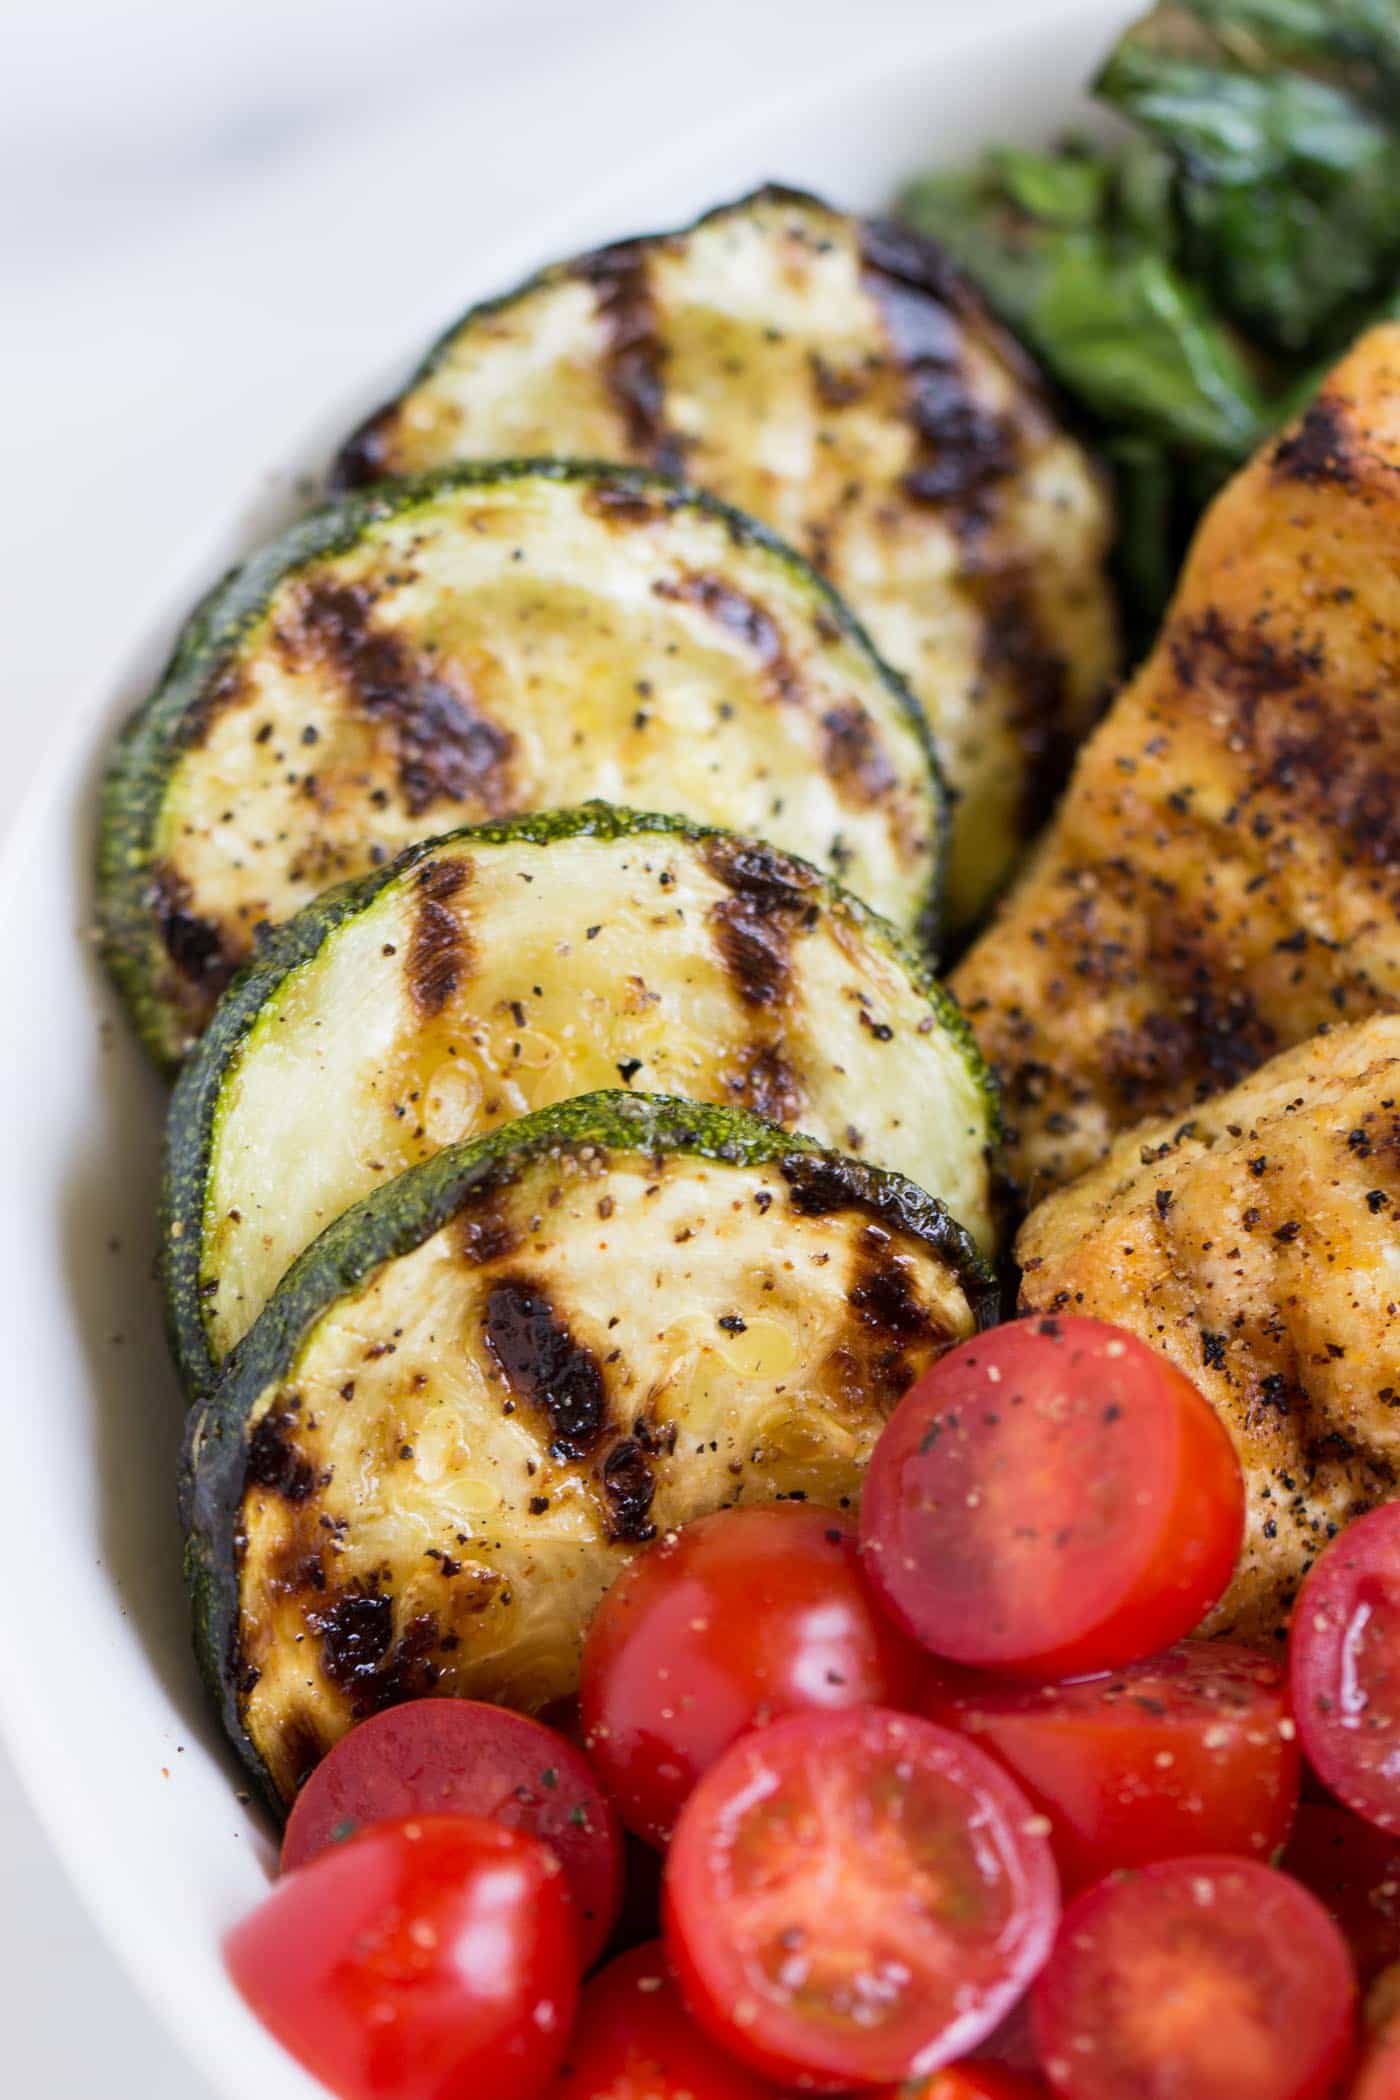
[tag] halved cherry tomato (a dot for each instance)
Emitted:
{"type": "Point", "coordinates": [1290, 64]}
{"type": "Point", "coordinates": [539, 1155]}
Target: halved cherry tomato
{"type": "Point", "coordinates": [461, 1757]}
{"type": "Point", "coordinates": [1344, 1655]}
{"type": "Point", "coordinates": [635, 2041]}
{"type": "Point", "coordinates": [1190, 1752]}
{"type": "Point", "coordinates": [726, 1624]}
{"type": "Point", "coordinates": [856, 1898]}
{"type": "Point", "coordinates": [1353, 1869]}
{"type": "Point", "coordinates": [1217, 1979]}
{"type": "Point", "coordinates": [1050, 1499]}
{"type": "Point", "coordinates": [432, 1959]}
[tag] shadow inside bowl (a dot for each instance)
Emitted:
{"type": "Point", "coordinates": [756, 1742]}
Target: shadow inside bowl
{"type": "Point", "coordinates": [107, 1220]}
{"type": "Point", "coordinates": [108, 1193]}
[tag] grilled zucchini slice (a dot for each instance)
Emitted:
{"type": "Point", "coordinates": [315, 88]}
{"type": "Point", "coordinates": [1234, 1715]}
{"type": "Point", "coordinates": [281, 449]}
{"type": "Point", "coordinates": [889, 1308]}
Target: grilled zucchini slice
{"type": "Point", "coordinates": [837, 378]}
{"type": "Point", "coordinates": [508, 966]}
{"type": "Point", "coordinates": [487, 641]}
{"type": "Point", "coordinates": [485, 1386]}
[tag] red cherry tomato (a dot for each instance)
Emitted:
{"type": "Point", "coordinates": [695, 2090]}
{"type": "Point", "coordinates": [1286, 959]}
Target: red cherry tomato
{"type": "Point", "coordinates": [1344, 1655]}
{"type": "Point", "coordinates": [460, 1757]}
{"type": "Point", "coordinates": [727, 1623]}
{"type": "Point", "coordinates": [970, 2081]}
{"type": "Point", "coordinates": [636, 2041]}
{"type": "Point", "coordinates": [1379, 2076]}
{"type": "Point", "coordinates": [855, 1898]}
{"type": "Point", "coordinates": [1211, 1978]}
{"type": "Point", "coordinates": [432, 1959]}
{"type": "Point", "coordinates": [1050, 1499]}
{"type": "Point", "coordinates": [1354, 1871]}
{"type": "Point", "coordinates": [1191, 1752]}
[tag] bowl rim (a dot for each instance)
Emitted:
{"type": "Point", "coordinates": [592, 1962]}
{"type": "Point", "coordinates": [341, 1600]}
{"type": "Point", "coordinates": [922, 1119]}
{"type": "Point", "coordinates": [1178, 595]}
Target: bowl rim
{"type": "Point", "coordinates": [223, 2042]}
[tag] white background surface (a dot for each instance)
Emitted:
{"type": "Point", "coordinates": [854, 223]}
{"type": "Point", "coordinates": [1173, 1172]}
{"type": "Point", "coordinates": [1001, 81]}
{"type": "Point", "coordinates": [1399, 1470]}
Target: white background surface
{"type": "Point", "coordinates": [139, 140]}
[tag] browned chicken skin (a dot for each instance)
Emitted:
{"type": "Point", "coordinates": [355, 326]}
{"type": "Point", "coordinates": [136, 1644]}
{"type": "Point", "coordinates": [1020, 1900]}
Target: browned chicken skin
{"type": "Point", "coordinates": [1258, 1246]}
{"type": "Point", "coordinates": [1223, 875]}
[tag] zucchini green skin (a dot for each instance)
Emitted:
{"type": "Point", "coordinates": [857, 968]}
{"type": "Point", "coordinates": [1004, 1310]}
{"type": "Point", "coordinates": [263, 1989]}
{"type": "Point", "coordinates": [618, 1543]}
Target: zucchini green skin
{"type": "Point", "coordinates": [150, 745]}
{"type": "Point", "coordinates": [398, 1218]}
{"type": "Point", "coordinates": [194, 1103]}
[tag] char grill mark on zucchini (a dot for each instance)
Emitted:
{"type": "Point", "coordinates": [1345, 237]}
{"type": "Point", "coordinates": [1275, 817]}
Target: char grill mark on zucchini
{"type": "Point", "coordinates": [633, 356]}
{"type": "Point", "coordinates": [504, 967]}
{"type": "Point", "coordinates": [445, 750]}
{"type": "Point", "coordinates": [200, 966]}
{"type": "Point", "coordinates": [767, 901]}
{"type": "Point", "coordinates": [838, 378]}
{"type": "Point", "coordinates": [482, 1388]}
{"type": "Point", "coordinates": [486, 641]}
{"type": "Point", "coordinates": [439, 951]}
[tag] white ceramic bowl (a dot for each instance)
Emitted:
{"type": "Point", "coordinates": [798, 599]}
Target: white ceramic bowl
{"type": "Point", "coordinates": [99, 1697]}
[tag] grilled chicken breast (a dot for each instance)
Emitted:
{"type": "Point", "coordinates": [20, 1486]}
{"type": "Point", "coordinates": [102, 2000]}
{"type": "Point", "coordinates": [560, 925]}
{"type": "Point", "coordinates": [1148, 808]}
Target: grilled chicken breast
{"type": "Point", "coordinates": [839, 380]}
{"type": "Point", "coordinates": [1258, 1246]}
{"type": "Point", "coordinates": [1223, 875]}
